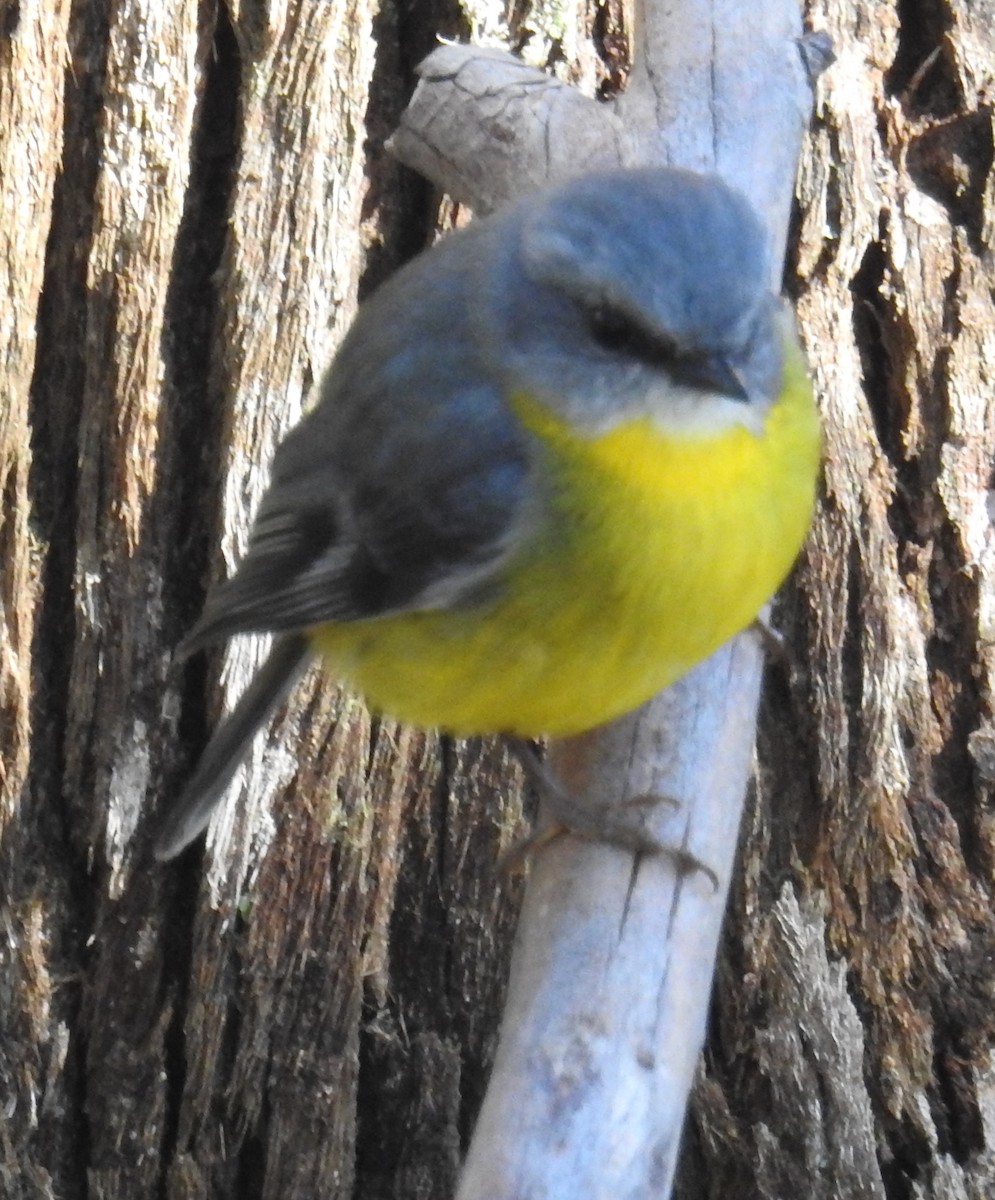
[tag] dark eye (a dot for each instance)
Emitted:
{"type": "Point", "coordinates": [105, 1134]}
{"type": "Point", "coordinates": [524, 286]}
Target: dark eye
{"type": "Point", "coordinates": [616, 332]}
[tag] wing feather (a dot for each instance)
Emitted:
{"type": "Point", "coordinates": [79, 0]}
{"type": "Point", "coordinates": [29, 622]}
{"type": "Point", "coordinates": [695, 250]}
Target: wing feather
{"type": "Point", "coordinates": [405, 488]}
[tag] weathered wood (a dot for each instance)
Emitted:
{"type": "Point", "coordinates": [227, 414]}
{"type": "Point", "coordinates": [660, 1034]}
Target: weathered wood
{"type": "Point", "coordinates": [37, 1001]}
{"type": "Point", "coordinates": [612, 974]}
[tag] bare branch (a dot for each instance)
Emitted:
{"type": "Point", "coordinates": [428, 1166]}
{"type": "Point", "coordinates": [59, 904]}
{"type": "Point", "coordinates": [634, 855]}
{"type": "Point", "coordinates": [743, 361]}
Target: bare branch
{"type": "Point", "coordinates": [612, 972]}
{"type": "Point", "coordinates": [486, 127]}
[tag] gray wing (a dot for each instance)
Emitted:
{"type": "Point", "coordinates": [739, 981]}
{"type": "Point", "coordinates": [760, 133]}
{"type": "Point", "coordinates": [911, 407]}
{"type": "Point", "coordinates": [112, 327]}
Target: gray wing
{"type": "Point", "coordinates": [404, 487]}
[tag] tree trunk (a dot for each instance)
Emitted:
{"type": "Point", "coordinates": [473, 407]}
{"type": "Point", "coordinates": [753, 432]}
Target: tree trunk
{"type": "Point", "coordinates": [192, 198]}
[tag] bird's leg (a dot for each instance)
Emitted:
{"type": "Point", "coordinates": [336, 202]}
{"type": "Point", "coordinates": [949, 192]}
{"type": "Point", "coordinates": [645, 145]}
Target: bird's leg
{"type": "Point", "coordinates": [774, 645]}
{"type": "Point", "coordinates": [771, 640]}
{"type": "Point", "coordinates": [610, 825]}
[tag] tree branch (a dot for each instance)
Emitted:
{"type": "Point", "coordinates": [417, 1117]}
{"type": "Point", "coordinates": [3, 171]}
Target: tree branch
{"type": "Point", "coordinates": [612, 971]}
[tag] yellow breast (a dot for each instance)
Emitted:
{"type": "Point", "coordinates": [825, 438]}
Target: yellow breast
{"type": "Point", "coordinates": [658, 548]}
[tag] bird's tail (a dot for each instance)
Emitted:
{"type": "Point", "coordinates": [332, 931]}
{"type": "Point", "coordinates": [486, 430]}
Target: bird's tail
{"type": "Point", "coordinates": [224, 752]}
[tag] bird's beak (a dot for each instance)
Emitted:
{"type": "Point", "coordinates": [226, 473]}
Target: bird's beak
{"type": "Point", "coordinates": [711, 373]}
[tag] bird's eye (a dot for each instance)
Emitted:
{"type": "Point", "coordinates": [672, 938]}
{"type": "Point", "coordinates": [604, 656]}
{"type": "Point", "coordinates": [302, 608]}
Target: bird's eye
{"type": "Point", "coordinates": [611, 329]}
{"type": "Point", "coordinates": [616, 332]}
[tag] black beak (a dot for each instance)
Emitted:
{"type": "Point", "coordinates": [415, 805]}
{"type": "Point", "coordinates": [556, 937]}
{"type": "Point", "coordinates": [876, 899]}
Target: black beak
{"type": "Point", "coordinates": [710, 373]}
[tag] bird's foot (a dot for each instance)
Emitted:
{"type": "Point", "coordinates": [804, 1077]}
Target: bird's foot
{"type": "Point", "coordinates": [614, 826]}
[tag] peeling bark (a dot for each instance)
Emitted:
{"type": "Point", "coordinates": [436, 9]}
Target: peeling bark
{"type": "Point", "coordinates": [870, 839]}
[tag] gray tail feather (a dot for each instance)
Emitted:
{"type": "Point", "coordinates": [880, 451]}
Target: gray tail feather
{"type": "Point", "coordinates": [220, 760]}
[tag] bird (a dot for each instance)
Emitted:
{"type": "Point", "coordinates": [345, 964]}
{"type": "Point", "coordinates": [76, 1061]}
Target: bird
{"type": "Point", "coordinates": [558, 459]}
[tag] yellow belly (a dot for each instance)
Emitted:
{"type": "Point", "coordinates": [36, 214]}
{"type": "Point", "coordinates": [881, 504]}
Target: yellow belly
{"type": "Point", "coordinates": [659, 550]}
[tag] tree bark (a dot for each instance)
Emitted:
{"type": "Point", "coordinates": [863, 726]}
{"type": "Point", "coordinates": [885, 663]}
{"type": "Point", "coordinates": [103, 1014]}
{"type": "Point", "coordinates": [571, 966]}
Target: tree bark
{"type": "Point", "coordinates": [193, 198]}
{"type": "Point", "coordinates": [852, 1022]}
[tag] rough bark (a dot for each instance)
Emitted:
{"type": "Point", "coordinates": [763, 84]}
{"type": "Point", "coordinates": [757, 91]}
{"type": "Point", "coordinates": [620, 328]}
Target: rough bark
{"type": "Point", "coordinates": [853, 1017]}
{"type": "Point", "coordinates": [191, 197]}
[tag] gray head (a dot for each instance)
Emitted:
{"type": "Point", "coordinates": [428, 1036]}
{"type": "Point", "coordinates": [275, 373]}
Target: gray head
{"type": "Point", "coordinates": [642, 291]}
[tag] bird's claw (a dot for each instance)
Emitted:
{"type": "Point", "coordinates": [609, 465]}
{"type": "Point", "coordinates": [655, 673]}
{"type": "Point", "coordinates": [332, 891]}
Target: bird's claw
{"type": "Point", "coordinates": [597, 823]}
